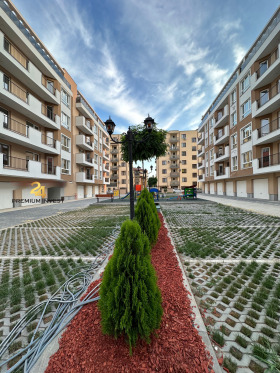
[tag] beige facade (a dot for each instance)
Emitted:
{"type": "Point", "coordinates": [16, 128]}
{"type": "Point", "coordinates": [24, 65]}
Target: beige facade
{"type": "Point", "coordinates": [239, 136]}
{"type": "Point", "coordinates": [178, 168]}
{"type": "Point", "coordinates": [46, 124]}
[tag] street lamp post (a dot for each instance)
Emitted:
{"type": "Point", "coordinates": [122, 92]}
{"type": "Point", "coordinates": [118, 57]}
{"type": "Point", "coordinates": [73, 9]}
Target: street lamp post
{"type": "Point", "coordinates": [129, 139]}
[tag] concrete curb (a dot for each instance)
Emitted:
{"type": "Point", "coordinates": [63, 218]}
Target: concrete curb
{"type": "Point", "coordinates": [197, 316]}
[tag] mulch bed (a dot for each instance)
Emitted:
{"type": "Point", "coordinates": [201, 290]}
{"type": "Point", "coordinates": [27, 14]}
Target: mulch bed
{"type": "Point", "coordinates": [177, 347]}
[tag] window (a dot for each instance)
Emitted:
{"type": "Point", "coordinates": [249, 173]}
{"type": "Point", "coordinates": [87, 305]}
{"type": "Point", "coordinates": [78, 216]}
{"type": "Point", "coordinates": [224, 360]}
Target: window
{"type": "Point", "coordinates": [95, 131]}
{"type": "Point", "coordinates": [184, 136]}
{"type": "Point", "coordinates": [262, 69]}
{"type": "Point", "coordinates": [164, 179]}
{"type": "Point", "coordinates": [193, 139]}
{"type": "Point", "coordinates": [164, 171]}
{"type": "Point", "coordinates": [7, 45]}
{"type": "Point", "coordinates": [234, 141]}
{"type": "Point", "coordinates": [233, 97]}
{"type": "Point", "coordinates": [193, 157]}
{"type": "Point", "coordinates": [206, 128]}
{"type": "Point", "coordinates": [194, 175]}
{"type": "Point", "coordinates": [123, 173]}
{"type": "Point", "coordinates": [96, 145]}
{"type": "Point", "coordinates": [184, 179]}
{"type": "Point", "coordinates": [207, 171]}
{"type": "Point", "coordinates": [264, 130]}
{"type": "Point", "coordinates": [211, 154]}
{"type": "Point", "coordinates": [5, 149]}
{"type": "Point", "coordinates": [211, 139]}
{"type": "Point", "coordinates": [95, 158]}
{"type": "Point", "coordinates": [31, 125]}
{"type": "Point", "coordinates": [100, 161]}
{"type": "Point", "coordinates": [123, 181]}
{"type": "Point", "coordinates": [245, 84]}
{"type": "Point", "coordinates": [123, 164]}
{"type": "Point", "coordinates": [194, 165]}
{"type": "Point", "coordinates": [65, 120]}
{"type": "Point", "coordinates": [65, 166]}
{"type": "Point", "coordinates": [184, 145]}
{"type": "Point", "coordinates": [233, 119]}
{"type": "Point", "coordinates": [100, 175]}
{"type": "Point", "coordinates": [184, 154]}
{"type": "Point", "coordinates": [184, 161]}
{"type": "Point", "coordinates": [65, 98]}
{"type": "Point", "coordinates": [264, 96]}
{"type": "Point", "coordinates": [212, 170]}
{"type": "Point", "coordinates": [100, 148]}
{"type": "Point", "coordinates": [65, 143]}
{"type": "Point", "coordinates": [163, 163]}
{"type": "Point", "coordinates": [193, 148]}
{"type": "Point", "coordinates": [246, 133]}
{"type": "Point", "coordinates": [206, 157]}
{"type": "Point", "coordinates": [211, 123]}
{"type": "Point", "coordinates": [234, 164]}
{"type": "Point", "coordinates": [246, 108]}
{"type": "Point", "coordinates": [247, 159]}
{"type": "Point", "coordinates": [184, 171]}
{"type": "Point", "coordinates": [206, 141]}
{"type": "Point", "coordinates": [6, 81]}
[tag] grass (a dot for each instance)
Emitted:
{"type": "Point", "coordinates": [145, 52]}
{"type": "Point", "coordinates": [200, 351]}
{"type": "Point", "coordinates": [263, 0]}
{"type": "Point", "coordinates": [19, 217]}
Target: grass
{"type": "Point", "coordinates": [268, 332]}
{"type": "Point", "coordinates": [230, 365]}
{"type": "Point", "coordinates": [241, 341]}
{"type": "Point", "coordinates": [218, 337]}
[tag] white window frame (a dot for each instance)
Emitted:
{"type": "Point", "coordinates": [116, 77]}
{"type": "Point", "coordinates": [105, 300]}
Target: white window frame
{"type": "Point", "coordinates": [243, 112]}
{"type": "Point", "coordinates": [233, 119]}
{"type": "Point", "coordinates": [246, 133]}
{"type": "Point", "coordinates": [245, 83]}
{"type": "Point", "coordinates": [65, 98]}
{"type": "Point", "coordinates": [234, 165]}
{"type": "Point", "coordinates": [66, 148]}
{"type": "Point", "coordinates": [65, 166]}
{"type": "Point", "coordinates": [233, 97]}
{"type": "Point", "coordinates": [247, 163]}
{"type": "Point", "coordinates": [234, 141]}
{"type": "Point", "coordinates": [67, 124]}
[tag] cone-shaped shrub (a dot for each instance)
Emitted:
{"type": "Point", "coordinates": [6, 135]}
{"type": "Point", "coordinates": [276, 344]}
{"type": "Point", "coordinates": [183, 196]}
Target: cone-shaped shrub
{"type": "Point", "coordinates": [147, 220]}
{"type": "Point", "coordinates": [130, 301]}
{"type": "Point", "coordinates": [145, 194]}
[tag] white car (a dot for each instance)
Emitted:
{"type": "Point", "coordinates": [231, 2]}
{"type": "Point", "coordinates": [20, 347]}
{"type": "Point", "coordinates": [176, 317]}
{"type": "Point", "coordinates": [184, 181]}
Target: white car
{"type": "Point", "coordinates": [177, 191]}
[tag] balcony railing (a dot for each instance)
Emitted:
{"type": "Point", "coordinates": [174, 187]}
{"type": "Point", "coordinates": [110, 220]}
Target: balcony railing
{"type": "Point", "coordinates": [16, 53]}
{"type": "Point", "coordinates": [220, 153]}
{"type": "Point", "coordinates": [174, 174]}
{"type": "Point", "coordinates": [270, 160]}
{"type": "Point", "coordinates": [268, 95]}
{"type": "Point", "coordinates": [88, 176]}
{"type": "Point", "coordinates": [174, 148]}
{"type": "Point", "coordinates": [174, 157]}
{"type": "Point", "coordinates": [48, 112]}
{"type": "Point", "coordinates": [220, 134]}
{"type": "Point", "coordinates": [220, 172]}
{"type": "Point", "coordinates": [270, 61]}
{"type": "Point", "coordinates": [15, 163]}
{"type": "Point", "coordinates": [48, 169]}
{"type": "Point", "coordinates": [114, 151]}
{"type": "Point", "coordinates": [174, 166]}
{"type": "Point", "coordinates": [46, 83]}
{"type": "Point", "coordinates": [175, 183]}
{"type": "Point", "coordinates": [49, 141]}
{"type": "Point", "coordinates": [173, 139]}
{"type": "Point", "coordinates": [16, 90]}
{"type": "Point", "coordinates": [15, 126]}
{"type": "Point", "coordinates": [269, 127]}
{"type": "Point", "coordinates": [114, 177]}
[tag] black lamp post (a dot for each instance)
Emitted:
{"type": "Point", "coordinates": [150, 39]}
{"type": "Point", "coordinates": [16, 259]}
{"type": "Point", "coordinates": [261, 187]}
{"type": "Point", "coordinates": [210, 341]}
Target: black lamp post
{"type": "Point", "coordinates": [129, 138]}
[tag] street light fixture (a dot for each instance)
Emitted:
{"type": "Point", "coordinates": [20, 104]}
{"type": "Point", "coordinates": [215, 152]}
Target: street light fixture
{"type": "Point", "coordinates": [129, 139]}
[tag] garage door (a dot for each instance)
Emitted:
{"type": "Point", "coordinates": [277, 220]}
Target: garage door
{"type": "Point", "coordinates": [89, 191]}
{"type": "Point", "coordinates": [96, 188]}
{"type": "Point", "coordinates": [220, 189]}
{"type": "Point", "coordinates": [261, 188]}
{"type": "Point", "coordinates": [27, 195]}
{"type": "Point", "coordinates": [6, 196]}
{"type": "Point", "coordinates": [80, 191]}
{"type": "Point", "coordinates": [212, 188]}
{"type": "Point", "coordinates": [229, 188]}
{"type": "Point", "coordinates": [241, 189]}
{"type": "Point", "coordinates": [206, 188]}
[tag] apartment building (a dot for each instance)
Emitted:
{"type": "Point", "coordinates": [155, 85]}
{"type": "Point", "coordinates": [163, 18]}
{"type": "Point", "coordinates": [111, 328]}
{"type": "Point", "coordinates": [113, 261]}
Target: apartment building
{"type": "Point", "coordinates": [239, 136]}
{"type": "Point", "coordinates": [178, 168]}
{"type": "Point", "coordinates": [44, 123]}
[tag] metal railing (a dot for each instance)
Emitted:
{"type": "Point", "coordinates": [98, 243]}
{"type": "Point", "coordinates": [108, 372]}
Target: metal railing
{"type": "Point", "coordinates": [88, 176]}
{"type": "Point", "coordinates": [175, 183]}
{"type": "Point", "coordinates": [15, 126]}
{"type": "Point", "coordinates": [15, 163]}
{"type": "Point", "coordinates": [270, 160]}
{"type": "Point", "coordinates": [15, 53]}
{"type": "Point", "coordinates": [270, 61]}
{"type": "Point", "coordinates": [174, 174]}
{"type": "Point", "coordinates": [269, 127]}
{"type": "Point", "coordinates": [114, 177]}
{"type": "Point", "coordinates": [220, 134]}
{"type": "Point", "coordinates": [174, 148]}
{"type": "Point", "coordinates": [174, 157]}
{"type": "Point", "coordinates": [220, 154]}
{"type": "Point", "coordinates": [114, 151]}
{"type": "Point", "coordinates": [173, 139]}
{"type": "Point", "coordinates": [220, 172]}
{"type": "Point", "coordinates": [48, 169]}
{"type": "Point", "coordinates": [48, 112]}
{"type": "Point", "coordinates": [49, 87]}
{"type": "Point", "coordinates": [16, 90]}
{"type": "Point", "coordinates": [268, 95]}
{"type": "Point", "coordinates": [174, 166]}
{"type": "Point", "coordinates": [49, 141]}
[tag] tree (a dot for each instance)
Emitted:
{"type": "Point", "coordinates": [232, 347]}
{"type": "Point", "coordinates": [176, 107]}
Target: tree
{"type": "Point", "coordinates": [147, 220]}
{"type": "Point", "coordinates": [152, 181]}
{"type": "Point", "coordinates": [145, 194]}
{"type": "Point", "coordinates": [130, 300]}
{"type": "Point", "coordinates": [153, 146]}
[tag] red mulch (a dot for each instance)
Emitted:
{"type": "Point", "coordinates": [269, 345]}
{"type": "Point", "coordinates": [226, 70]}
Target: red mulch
{"type": "Point", "coordinates": [176, 348]}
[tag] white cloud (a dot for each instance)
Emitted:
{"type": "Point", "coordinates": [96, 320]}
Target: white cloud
{"type": "Point", "coordinates": [238, 53]}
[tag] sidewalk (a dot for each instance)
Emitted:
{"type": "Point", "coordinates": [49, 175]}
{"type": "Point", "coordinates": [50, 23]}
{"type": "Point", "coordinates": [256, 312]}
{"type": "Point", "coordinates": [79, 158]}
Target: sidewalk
{"type": "Point", "coordinates": [259, 206]}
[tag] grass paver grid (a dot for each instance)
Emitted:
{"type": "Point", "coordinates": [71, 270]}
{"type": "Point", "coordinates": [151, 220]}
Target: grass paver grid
{"type": "Point", "coordinates": [25, 282]}
{"type": "Point", "coordinates": [239, 300]}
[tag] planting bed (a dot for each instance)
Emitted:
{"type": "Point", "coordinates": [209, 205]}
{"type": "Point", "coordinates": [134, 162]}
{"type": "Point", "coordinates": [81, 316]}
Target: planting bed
{"type": "Point", "coordinates": [232, 263]}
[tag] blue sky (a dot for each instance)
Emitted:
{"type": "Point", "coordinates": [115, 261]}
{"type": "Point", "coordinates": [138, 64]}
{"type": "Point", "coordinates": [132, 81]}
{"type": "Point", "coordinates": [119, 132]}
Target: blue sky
{"type": "Point", "coordinates": [162, 57]}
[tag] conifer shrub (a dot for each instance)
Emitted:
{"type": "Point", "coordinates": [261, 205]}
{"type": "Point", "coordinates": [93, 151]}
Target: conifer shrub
{"type": "Point", "coordinates": [147, 220]}
{"type": "Point", "coordinates": [130, 300]}
{"type": "Point", "coordinates": [145, 194]}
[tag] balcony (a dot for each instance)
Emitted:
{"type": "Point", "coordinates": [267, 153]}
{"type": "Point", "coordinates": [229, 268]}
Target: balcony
{"type": "Point", "coordinates": [174, 174]}
{"type": "Point", "coordinates": [267, 133]}
{"type": "Point", "coordinates": [114, 160]}
{"type": "Point", "coordinates": [84, 125]}
{"type": "Point", "coordinates": [106, 168]}
{"type": "Point", "coordinates": [83, 107]}
{"type": "Point", "coordinates": [19, 133]}
{"type": "Point", "coordinates": [174, 157]}
{"type": "Point", "coordinates": [22, 101]}
{"type": "Point", "coordinates": [114, 168]}
{"type": "Point", "coordinates": [222, 117]}
{"type": "Point", "coordinates": [13, 60]}
{"type": "Point", "coordinates": [222, 155]}
{"type": "Point", "coordinates": [201, 165]}
{"type": "Point", "coordinates": [267, 164]}
{"type": "Point", "coordinates": [174, 166]}
{"type": "Point", "coordinates": [113, 184]}
{"type": "Point", "coordinates": [173, 140]}
{"type": "Point", "coordinates": [84, 143]}
{"type": "Point", "coordinates": [106, 156]}
{"type": "Point", "coordinates": [201, 138]}
{"type": "Point", "coordinates": [114, 177]}
{"type": "Point", "coordinates": [201, 178]}
{"type": "Point", "coordinates": [268, 72]}
{"type": "Point", "coordinates": [268, 102]}
{"type": "Point", "coordinates": [174, 148]}
{"type": "Point", "coordinates": [175, 183]}
{"type": "Point", "coordinates": [201, 151]}
{"type": "Point", "coordinates": [222, 136]}
{"type": "Point", "coordinates": [106, 180]}
{"type": "Point", "coordinates": [114, 151]}
{"type": "Point", "coordinates": [83, 177]}
{"type": "Point", "coordinates": [105, 143]}
{"type": "Point", "coordinates": [84, 160]}
{"type": "Point", "coordinates": [221, 174]}
{"type": "Point", "coordinates": [20, 167]}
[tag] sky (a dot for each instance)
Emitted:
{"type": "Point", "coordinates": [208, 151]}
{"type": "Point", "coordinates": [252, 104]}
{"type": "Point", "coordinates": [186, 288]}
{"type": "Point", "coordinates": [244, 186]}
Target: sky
{"type": "Point", "coordinates": [166, 58]}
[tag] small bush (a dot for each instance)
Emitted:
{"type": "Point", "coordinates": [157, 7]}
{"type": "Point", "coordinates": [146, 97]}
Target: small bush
{"type": "Point", "coordinates": [147, 220]}
{"type": "Point", "coordinates": [145, 194]}
{"type": "Point", "coordinates": [130, 301]}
